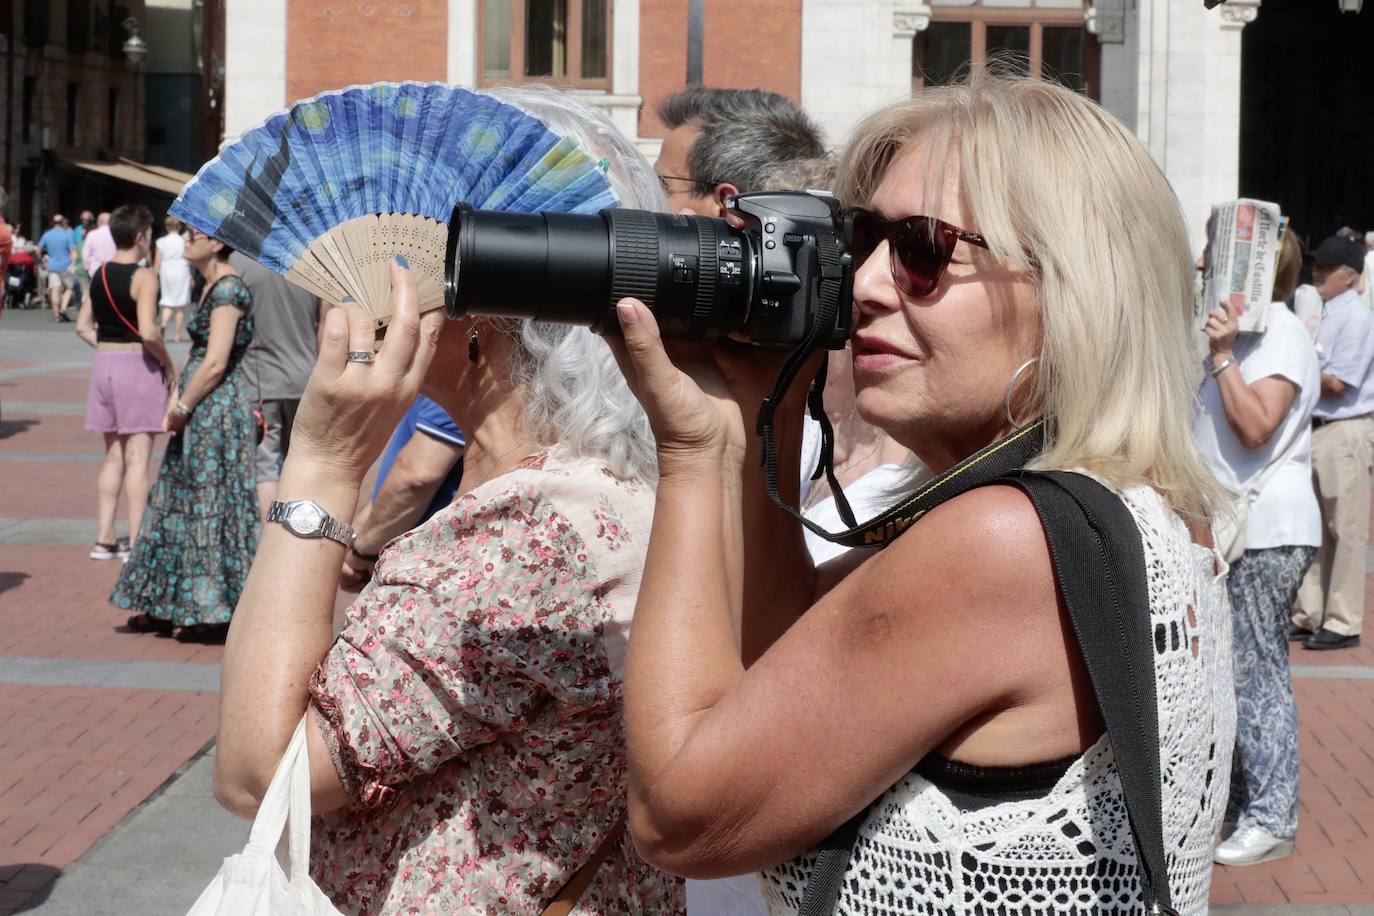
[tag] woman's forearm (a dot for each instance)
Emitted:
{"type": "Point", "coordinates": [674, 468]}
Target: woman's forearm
{"type": "Point", "coordinates": [779, 577]}
{"type": "Point", "coordinates": [203, 381]}
{"type": "Point", "coordinates": [1252, 420]}
{"type": "Point", "coordinates": [281, 630]}
{"type": "Point", "coordinates": [685, 652]}
{"type": "Point", "coordinates": [158, 351]}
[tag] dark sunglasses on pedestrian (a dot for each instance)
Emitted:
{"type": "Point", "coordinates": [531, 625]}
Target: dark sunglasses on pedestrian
{"type": "Point", "coordinates": [919, 247]}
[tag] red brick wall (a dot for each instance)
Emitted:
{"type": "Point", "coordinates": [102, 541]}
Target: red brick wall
{"type": "Point", "coordinates": [335, 43]}
{"type": "Point", "coordinates": [748, 45]}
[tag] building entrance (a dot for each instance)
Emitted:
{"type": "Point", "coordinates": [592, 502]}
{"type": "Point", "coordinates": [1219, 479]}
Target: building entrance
{"type": "Point", "coordinates": [1307, 114]}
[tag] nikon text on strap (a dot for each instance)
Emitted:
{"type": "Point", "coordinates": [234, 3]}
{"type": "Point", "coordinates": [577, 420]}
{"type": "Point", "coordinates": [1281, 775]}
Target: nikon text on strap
{"type": "Point", "coordinates": [1099, 564]}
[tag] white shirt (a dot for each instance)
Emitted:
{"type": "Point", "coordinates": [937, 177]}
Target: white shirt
{"type": "Point", "coordinates": [1285, 512]}
{"type": "Point", "coordinates": [1368, 294]}
{"type": "Point", "coordinates": [868, 496]}
{"type": "Point", "coordinates": [1345, 342]}
{"type": "Point", "coordinates": [1307, 305]}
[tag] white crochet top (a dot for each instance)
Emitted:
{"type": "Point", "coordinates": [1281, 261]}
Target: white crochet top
{"type": "Point", "coordinates": [1070, 851]}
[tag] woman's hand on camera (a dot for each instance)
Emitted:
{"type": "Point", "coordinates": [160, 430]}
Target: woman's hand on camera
{"type": "Point", "coordinates": [1223, 325]}
{"type": "Point", "coordinates": [693, 412]}
{"type": "Point", "coordinates": [350, 408]}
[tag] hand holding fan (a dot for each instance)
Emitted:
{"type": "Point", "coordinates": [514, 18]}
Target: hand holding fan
{"type": "Point", "coordinates": [329, 191]}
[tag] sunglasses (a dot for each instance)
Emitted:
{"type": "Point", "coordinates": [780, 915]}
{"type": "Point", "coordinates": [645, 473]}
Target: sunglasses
{"type": "Point", "coordinates": [920, 247]}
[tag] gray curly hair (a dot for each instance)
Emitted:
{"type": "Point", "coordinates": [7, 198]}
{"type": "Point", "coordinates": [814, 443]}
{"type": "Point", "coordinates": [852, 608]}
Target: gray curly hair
{"type": "Point", "coordinates": [577, 398]}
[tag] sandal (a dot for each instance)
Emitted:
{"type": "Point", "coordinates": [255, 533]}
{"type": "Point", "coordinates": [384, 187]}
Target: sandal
{"type": "Point", "coordinates": [147, 623]}
{"type": "Point", "coordinates": [208, 633]}
{"type": "Point", "coordinates": [103, 551]}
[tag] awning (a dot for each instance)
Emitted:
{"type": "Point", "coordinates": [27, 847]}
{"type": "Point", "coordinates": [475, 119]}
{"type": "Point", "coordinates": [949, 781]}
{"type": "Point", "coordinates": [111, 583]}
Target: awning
{"type": "Point", "coordinates": [157, 177]}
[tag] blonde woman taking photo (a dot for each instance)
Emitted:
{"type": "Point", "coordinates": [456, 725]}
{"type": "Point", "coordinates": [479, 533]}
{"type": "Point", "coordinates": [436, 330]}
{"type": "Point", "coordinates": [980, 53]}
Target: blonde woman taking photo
{"type": "Point", "coordinates": [1017, 254]}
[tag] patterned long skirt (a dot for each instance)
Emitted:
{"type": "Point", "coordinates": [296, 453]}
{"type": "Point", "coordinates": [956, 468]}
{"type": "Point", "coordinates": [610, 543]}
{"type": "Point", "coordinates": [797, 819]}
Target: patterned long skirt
{"type": "Point", "coordinates": [192, 554]}
{"type": "Point", "coordinates": [1264, 776]}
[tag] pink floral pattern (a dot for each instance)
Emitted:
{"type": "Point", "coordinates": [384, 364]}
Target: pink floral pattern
{"type": "Point", "coordinates": [609, 525]}
{"type": "Point", "coordinates": [472, 704]}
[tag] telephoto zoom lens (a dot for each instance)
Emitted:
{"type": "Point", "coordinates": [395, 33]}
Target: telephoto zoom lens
{"type": "Point", "coordinates": [695, 273]}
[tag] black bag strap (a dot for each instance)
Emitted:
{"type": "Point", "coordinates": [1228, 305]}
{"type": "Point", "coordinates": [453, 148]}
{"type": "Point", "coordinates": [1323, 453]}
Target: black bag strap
{"type": "Point", "coordinates": [1099, 565]}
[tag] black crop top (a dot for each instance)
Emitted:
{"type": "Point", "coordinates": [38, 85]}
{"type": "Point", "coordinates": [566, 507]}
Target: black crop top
{"type": "Point", "coordinates": [115, 322]}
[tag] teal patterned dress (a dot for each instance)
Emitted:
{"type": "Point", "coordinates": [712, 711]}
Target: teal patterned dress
{"type": "Point", "coordinates": [192, 553]}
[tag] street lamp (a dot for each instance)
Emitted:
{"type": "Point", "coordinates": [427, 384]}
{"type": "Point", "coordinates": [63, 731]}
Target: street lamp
{"type": "Point", "coordinates": [135, 49]}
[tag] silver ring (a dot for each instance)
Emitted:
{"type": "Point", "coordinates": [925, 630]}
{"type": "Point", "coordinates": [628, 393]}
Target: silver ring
{"type": "Point", "coordinates": [361, 356]}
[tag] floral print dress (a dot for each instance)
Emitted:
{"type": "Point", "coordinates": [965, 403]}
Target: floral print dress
{"type": "Point", "coordinates": [197, 540]}
{"type": "Point", "coordinates": [472, 704]}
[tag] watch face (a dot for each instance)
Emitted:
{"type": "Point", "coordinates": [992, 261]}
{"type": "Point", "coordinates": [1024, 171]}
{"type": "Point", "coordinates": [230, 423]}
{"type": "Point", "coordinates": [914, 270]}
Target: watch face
{"type": "Point", "coordinates": [305, 518]}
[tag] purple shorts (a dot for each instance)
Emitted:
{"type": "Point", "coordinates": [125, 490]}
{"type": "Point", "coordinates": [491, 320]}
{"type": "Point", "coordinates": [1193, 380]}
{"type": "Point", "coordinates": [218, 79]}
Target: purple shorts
{"type": "Point", "coordinates": [127, 394]}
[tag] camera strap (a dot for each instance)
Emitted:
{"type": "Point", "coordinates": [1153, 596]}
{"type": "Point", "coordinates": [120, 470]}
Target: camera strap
{"type": "Point", "coordinates": [1010, 453]}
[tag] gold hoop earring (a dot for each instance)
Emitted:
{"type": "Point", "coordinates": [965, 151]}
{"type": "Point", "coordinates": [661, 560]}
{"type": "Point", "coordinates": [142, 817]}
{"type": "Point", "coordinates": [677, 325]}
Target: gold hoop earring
{"type": "Point", "coordinates": [1011, 386]}
{"type": "Point", "coordinates": [474, 347]}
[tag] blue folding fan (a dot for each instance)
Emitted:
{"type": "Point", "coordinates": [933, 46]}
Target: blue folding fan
{"type": "Point", "coordinates": [328, 192]}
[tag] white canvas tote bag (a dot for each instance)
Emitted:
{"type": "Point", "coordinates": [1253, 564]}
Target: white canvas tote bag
{"type": "Point", "coordinates": [253, 882]}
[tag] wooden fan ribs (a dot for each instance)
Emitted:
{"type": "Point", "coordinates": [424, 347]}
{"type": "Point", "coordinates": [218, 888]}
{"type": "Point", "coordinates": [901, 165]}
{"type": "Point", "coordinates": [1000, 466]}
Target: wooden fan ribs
{"type": "Point", "coordinates": [354, 260]}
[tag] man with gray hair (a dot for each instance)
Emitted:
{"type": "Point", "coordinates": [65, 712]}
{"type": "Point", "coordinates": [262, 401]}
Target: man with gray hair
{"type": "Point", "coordinates": [1333, 592]}
{"type": "Point", "coordinates": [723, 142]}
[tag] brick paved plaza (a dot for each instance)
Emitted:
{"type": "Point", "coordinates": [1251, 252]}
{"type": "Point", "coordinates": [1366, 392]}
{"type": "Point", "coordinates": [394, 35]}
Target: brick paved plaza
{"type": "Point", "coordinates": [94, 721]}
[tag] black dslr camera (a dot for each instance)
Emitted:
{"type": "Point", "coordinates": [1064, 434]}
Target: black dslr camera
{"type": "Point", "coordinates": [784, 280]}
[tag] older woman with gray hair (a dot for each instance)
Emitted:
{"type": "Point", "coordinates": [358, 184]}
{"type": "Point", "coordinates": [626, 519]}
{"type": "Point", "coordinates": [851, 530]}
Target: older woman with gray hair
{"type": "Point", "coordinates": [465, 728]}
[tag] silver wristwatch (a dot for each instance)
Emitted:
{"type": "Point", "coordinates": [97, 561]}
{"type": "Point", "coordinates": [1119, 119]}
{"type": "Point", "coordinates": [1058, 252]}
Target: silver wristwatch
{"type": "Point", "coordinates": [307, 518]}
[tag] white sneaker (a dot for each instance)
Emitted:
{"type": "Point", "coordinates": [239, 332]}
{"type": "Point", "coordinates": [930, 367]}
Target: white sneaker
{"type": "Point", "coordinates": [1251, 845]}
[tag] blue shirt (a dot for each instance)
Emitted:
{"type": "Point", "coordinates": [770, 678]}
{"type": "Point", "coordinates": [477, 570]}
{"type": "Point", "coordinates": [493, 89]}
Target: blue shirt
{"type": "Point", "coordinates": [429, 418]}
{"type": "Point", "coordinates": [1345, 344]}
{"type": "Point", "coordinates": [56, 243]}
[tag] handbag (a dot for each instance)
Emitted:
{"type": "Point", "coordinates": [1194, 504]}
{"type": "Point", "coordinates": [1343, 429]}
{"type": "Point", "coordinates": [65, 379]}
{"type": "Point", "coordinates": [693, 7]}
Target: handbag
{"type": "Point", "coordinates": [1230, 528]}
{"type": "Point", "coordinates": [253, 882]}
{"type": "Point", "coordinates": [1099, 563]}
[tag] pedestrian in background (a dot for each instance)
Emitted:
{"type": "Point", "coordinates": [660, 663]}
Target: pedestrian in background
{"type": "Point", "coordinates": [723, 142]}
{"type": "Point", "coordinates": [173, 276]}
{"type": "Point", "coordinates": [131, 377]}
{"type": "Point", "coordinates": [278, 363]}
{"type": "Point", "coordinates": [1255, 430]}
{"type": "Point", "coordinates": [6, 247]}
{"type": "Point", "coordinates": [83, 226]}
{"type": "Point", "coordinates": [1367, 277]}
{"type": "Point", "coordinates": [99, 246]}
{"type": "Point", "coordinates": [55, 247]}
{"type": "Point", "coordinates": [189, 563]}
{"type": "Point", "coordinates": [1332, 594]}
{"type": "Point", "coordinates": [418, 474]}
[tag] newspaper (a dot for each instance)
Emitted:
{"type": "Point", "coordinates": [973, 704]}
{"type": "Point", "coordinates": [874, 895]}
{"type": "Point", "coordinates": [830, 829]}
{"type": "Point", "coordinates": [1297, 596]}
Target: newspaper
{"type": "Point", "coordinates": [1242, 253]}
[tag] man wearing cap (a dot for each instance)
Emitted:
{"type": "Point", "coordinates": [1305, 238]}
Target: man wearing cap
{"type": "Point", "coordinates": [1332, 594]}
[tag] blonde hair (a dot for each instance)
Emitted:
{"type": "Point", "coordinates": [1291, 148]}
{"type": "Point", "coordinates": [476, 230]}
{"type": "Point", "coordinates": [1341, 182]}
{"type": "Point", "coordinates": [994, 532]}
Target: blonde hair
{"type": "Point", "coordinates": [1060, 187]}
{"type": "Point", "coordinates": [1289, 266]}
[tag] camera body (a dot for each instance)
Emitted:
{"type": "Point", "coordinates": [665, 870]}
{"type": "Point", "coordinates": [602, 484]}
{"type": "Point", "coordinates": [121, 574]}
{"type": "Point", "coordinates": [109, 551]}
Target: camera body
{"type": "Point", "coordinates": [790, 232]}
{"type": "Point", "coordinates": [784, 278]}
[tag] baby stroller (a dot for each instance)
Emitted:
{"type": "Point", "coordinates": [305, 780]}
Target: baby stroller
{"type": "Point", "coordinates": [21, 282]}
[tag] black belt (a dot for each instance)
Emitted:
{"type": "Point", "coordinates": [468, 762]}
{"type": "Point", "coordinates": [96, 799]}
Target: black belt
{"type": "Point", "coordinates": [1318, 422]}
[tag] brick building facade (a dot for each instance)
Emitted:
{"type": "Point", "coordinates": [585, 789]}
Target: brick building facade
{"type": "Point", "coordinates": [624, 54]}
{"type": "Point", "coordinates": [70, 95]}
{"type": "Point", "coordinates": [1169, 69]}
